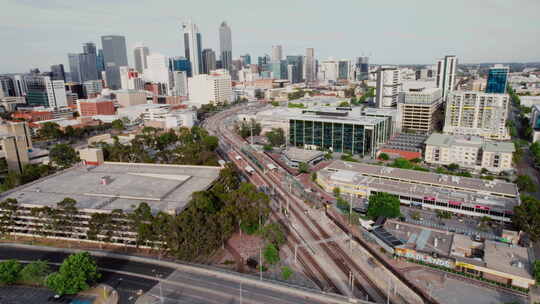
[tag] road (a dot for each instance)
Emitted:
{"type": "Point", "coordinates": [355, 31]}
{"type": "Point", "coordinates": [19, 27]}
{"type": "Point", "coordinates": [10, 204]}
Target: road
{"type": "Point", "coordinates": [176, 283]}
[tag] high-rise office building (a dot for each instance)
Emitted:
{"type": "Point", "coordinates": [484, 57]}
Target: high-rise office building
{"type": "Point", "coordinates": [20, 85]}
{"type": "Point", "coordinates": [361, 68]}
{"type": "Point", "coordinates": [114, 56]}
{"type": "Point", "coordinates": [209, 60]}
{"type": "Point", "coordinates": [329, 70]}
{"type": "Point", "coordinates": [310, 69]}
{"type": "Point", "coordinates": [263, 62]}
{"type": "Point", "coordinates": [74, 61]}
{"type": "Point", "coordinates": [497, 79]}
{"type": "Point", "coordinates": [446, 75]}
{"type": "Point", "coordinates": [42, 91]}
{"type": "Point", "coordinates": [180, 83]}
{"type": "Point", "coordinates": [139, 54]}
{"type": "Point", "coordinates": [279, 69]}
{"type": "Point", "coordinates": [225, 46]}
{"type": "Point", "coordinates": [180, 63]}
{"type": "Point", "coordinates": [295, 72]}
{"type": "Point", "coordinates": [7, 86]}
{"type": "Point", "coordinates": [246, 59]}
{"type": "Point", "coordinates": [388, 85]}
{"type": "Point", "coordinates": [193, 47]}
{"type": "Point", "coordinates": [158, 70]}
{"type": "Point", "coordinates": [421, 110]}
{"type": "Point", "coordinates": [89, 62]}
{"type": "Point", "coordinates": [343, 69]}
{"type": "Point", "coordinates": [57, 72]}
{"type": "Point", "coordinates": [131, 79]}
{"type": "Point", "coordinates": [100, 63]}
{"type": "Point", "coordinates": [277, 53]}
{"type": "Point", "coordinates": [477, 113]}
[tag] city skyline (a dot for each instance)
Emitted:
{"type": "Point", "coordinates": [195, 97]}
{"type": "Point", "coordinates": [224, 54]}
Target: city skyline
{"type": "Point", "coordinates": [423, 35]}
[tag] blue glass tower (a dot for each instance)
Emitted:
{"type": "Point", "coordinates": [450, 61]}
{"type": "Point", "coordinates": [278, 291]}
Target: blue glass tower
{"type": "Point", "coordinates": [497, 79]}
{"type": "Point", "coordinates": [181, 64]}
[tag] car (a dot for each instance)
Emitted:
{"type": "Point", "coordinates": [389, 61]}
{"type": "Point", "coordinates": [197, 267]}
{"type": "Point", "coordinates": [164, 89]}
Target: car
{"type": "Point", "coordinates": [477, 238]}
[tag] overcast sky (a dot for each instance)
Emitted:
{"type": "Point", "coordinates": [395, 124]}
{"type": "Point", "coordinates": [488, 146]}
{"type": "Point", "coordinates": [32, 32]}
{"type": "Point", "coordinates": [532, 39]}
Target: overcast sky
{"type": "Point", "coordinates": [38, 33]}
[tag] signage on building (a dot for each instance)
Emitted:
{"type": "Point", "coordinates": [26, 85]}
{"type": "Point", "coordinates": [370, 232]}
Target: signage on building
{"type": "Point", "coordinates": [465, 265]}
{"type": "Point", "coordinates": [426, 258]}
{"type": "Point", "coordinates": [481, 207]}
{"type": "Point", "coordinates": [454, 203]}
{"type": "Point", "coordinates": [429, 198]}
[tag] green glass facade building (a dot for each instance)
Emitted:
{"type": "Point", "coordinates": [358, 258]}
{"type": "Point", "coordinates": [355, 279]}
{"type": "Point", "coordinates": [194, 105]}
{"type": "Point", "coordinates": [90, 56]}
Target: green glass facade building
{"type": "Point", "coordinates": [361, 136]}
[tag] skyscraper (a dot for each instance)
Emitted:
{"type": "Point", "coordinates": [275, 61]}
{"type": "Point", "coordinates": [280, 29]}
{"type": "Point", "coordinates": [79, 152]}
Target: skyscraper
{"type": "Point", "coordinates": [362, 68]}
{"type": "Point", "coordinates": [158, 70]}
{"type": "Point", "coordinates": [295, 72]}
{"type": "Point", "coordinates": [193, 47]}
{"type": "Point", "coordinates": [57, 72]}
{"type": "Point", "coordinates": [388, 85]}
{"type": "Point", "coordinates": [446, 74]}
{"type": "Point", "coordinates": [181, 64]}
{"type": "Point", "coordinates": [74, 61]}
{"type": "Point", "coordinates": [100, 63]}
{"type": "Point", "coordinates": [42, 91]}
{"type": "Point", "coordinates": [310, 72]}
{"type": "Point", "coordinates": [114, 56]}
{"type": "Point", "coordinates": [140, 53]}
{"type": "Point", "coordinates": [209, 60]}
{"type": "Point", "coordinates": [225, 46]}
{"type": "Point", "coordinates": [497, 79]}
{"type": "Point", "coordinates": [277, 53]}
{"type": "Point", "coordinates": [343, 69]}
{"type": "Point", "coordinates": [88, 68]}
{"type": "Point", "coordinates": [246, 59]}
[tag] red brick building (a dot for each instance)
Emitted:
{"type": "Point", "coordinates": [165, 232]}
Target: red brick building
{"type": "Point", "coordinates": [32, 116]}
{"type": "Point", "coordinates": [91, 107]}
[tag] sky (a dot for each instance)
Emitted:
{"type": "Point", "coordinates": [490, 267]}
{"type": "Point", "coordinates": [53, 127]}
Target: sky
{"type": "Point", "coordinates": [39, 33]}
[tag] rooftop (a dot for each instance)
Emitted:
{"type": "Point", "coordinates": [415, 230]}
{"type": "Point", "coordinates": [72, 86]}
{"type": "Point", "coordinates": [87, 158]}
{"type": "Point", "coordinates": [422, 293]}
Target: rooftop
{"type": "Point", "coordinates": [508, 259]}
{"type": "Point", "coordinates": [302, 155]}
{"type": "Point", "coordinates": [163, 187]}
{"type": "Point", "coordinates": [421, 239]}
{"type": "Point", "coordinates": [445, 140]}
{"type": "Point", "coordinates": [469, 191]}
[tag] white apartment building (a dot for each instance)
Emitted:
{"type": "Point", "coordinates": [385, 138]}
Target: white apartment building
{"type": "Point", "coordinates": [158, 70]}
{"type": "Point", "coordinates": [478, 114]}
{"type": "Point", "coordinates": [56, 92]}
{"type": "Point", "coordinates": [388, 86]}
{"type": "Point", "coordinates": [469, 151]}
{"type": "Point", "coordinates": [180, 83]}
{"type": "Point", "coordinates": [420, 109]}
{"type": "Point", "coordinates": [208, 88]}
{"type": "Point", "coordinates": [446, 74]}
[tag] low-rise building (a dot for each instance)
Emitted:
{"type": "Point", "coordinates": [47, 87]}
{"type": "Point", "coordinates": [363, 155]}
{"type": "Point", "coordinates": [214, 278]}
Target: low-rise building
{"type": "Point", "coordinates": [459, 195]}
{"type": "Point", "coordinates": [469, 152]}
{"type": "Point", "coordinates": [128, 98]}
{"type": "Point", "coordinates": [96, 106]}
{"type": "Point", "coordinates": [294, 156]}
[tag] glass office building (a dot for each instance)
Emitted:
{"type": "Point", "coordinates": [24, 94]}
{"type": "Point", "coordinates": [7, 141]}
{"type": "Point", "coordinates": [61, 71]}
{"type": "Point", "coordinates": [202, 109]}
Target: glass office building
{"type": "Point", "coordinates": [360, 136]}
{"type": "Point", "coordinates": [497, 80]}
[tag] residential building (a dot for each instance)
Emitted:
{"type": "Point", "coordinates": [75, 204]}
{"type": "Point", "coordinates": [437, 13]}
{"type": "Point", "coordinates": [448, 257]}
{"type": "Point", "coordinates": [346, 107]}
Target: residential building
{"type": "Point", "coordinates": [277, 53]}
{"type": "Point", "coordinates": [446, 75]}
{"type": "Point", "coordinates": [388, 86]}
{"type": "Point", "coordinates": [180, 83]}
{"type": "Point", "coordinates": [225, 46]}
{"type": "Point", "coordinates": [469, 151]}
{"type": "Point", "coordinates": [96, 106]}
{"type": "Point", "coordinates": [477, 113]}
{"type": "Point", "coordinates": [114, 57]}
{"type": "Point", "coordinates": [42, 91]}
{"type": "Point", "coordinates": [207, 88]}
{"type": "Point", "coordinates": [497, 79]}
{"type": "Point", "coordinates": [459, 195]}
{"type": "Point", "coordinates": [310, 66]}
{"type": "Point", "coordinates": [193, 47]}
{"type": "Point", "coordinates": [57, 72]}
{"type": "Point", "coordinates": [421, 110]}
{"type": "Point", "coordinates": [139, 54]}
{"type": "Point", "coordinates": [209, 61]}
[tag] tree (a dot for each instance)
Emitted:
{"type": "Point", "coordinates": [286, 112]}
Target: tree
{"type": "Point", "coordinates": [9, 209]}
{"type": "Point", "coordinates": [273, 233]}
{"type": "Point", "coordinates": [50, 130]}
{"type": "Point", "coordinates": [337, 192]}
{"type": "Point", "coordinates": [276, 137]}
{"type": "Point", "coordinates": [453, 167]}
{"type": "Point", "coordinates": [303, 168]}
{"type": "Point", "coordinates": [384, 156]}
{"type": "Point", "coordinates": [271, 254]}
{"type": "Point", "coordinates": [536, 271]}
{"type": "Point", "coordinates": [9, 271]}
{"type": "Point", "coordinates": [63, 156]}
{"type": "Point", "coordinates": [35, 273]}
{"type": "Point", "coordinates": [383, 204]}
{"type": "Point", "coordinates": [76, 273]}
{"type": "Point", "coordinates": [314, 176]}
{"type": "Point", "coordinates": [344, 104]}
{"type": "Point", "coordinates": [525, 183]}
{"type": "Point", "coordinates": [210, 143]}
{"type": "Point", "coordinates": [286, 272]}
{"type": "Point", "coordinates": [402, 163]}
{"type": "Point", "coordinates": [527, 217]}
{"type": "Point", "coordinates": [328, 155]}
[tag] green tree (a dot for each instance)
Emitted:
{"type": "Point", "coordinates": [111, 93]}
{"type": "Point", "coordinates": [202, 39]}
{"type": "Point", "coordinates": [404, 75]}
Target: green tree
{"type": "Point", "coordinates": [275, 103]}
{"type": "Point", "coordinates": [303, 168]}
{"type": "Point", "coordinates": [273, 233]}
{"type": "Point", "coordinates": [328, 155]}
{"type": "Point", "coordinates": [384, 156]}
{"type": "Point", "coordinates": [118, 124]}
{"type": "Point", "coordinates": [63, 156]}
{"type": "Point", "coordinates": [527, 217]}
{"type": "Point", "coordinates": [286, 273]}
{"type": "Point", "coordinates": [453, 167]}
{"type": "Point", "coordinates": [402, 163]}
{"type": "Point", "coordinates": [276, 137]}
{"type": "Point", "coordinates": [337, 192]}
{"type": "Point", "coordinates": [344, 104]}
{"type": "Point", "coordinates": [314, 176]}
{"type": "Point", "coordinates": [50, 130]}
{"type": "Point", "coordinates": [9, 271]}
{"type": "Point", "coordinates": [271, 254]}
{"type": "Point", "coordinates": [77, 273]}
{"type": "Point", "coordinates": [536, 271]}
{"type": "Point", "coordinates": [10, 208]}
{"type": "Point", "coordinates": [35, 273]}
{"type": "Point", "coordinates": [383, 204]}
{"type": "Point", "coordinates": [525, 183]}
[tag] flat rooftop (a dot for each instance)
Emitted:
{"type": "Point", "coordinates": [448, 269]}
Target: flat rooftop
{"type": "Point", "coordinates": [512, 260]}
{"type": "Point", "coordinates": [421, 239]}
{"type": "Point", "coordinates": [445, 140]}
{"type": "Point", "coordinates": [164, 187]}
{"type": "Point", "coordinates": [472, 191]}
{"type": "Point", "coordinates": [353, 116]}
{"type": "Point", "coordinates": [302, 155]}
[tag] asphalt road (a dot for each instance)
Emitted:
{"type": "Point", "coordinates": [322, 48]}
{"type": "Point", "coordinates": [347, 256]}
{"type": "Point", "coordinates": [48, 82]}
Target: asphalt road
{"type": "Point", "coordinates": [131, 277]}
